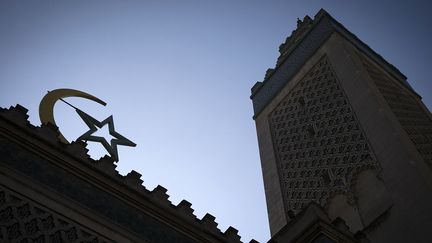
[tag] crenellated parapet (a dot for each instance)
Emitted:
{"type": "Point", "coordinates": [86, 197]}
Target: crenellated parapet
{"type": "Point", "coordinates": [296, 35]}
{"type": "Point", "coordinates": [127, 194]}
{"type": "Point", "coordinates": [309, 35]}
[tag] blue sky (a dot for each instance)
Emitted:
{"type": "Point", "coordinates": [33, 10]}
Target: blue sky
{"type": "Point", "coordinates": [177, 76]}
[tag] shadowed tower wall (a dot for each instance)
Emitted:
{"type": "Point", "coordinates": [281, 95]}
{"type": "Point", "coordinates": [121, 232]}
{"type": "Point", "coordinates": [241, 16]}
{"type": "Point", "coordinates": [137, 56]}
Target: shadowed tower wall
{"type": "Point", "coordinates": [339, 126]}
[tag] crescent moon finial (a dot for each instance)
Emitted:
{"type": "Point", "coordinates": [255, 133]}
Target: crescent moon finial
{"type": "Point", "coordinates": [46, 106]}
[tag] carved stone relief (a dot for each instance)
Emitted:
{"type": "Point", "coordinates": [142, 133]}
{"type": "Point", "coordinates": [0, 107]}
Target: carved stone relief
{"type": "Point", "coordinates": [22, 220]}
{"type": "Point", "coordinates": [318, 143]}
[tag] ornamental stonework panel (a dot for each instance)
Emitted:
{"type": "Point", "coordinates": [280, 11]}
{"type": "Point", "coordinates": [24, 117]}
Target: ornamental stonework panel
{"type": "Point", "coordinates": [318, 142]}
{"type": "Point", "coordinates": [413, 118]}
{"type": "Point", "coordinates": [22, 220]}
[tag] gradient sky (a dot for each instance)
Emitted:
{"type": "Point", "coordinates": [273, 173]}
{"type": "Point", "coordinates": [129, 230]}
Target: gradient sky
{"type": "Point", "coordinates": [177, 76]}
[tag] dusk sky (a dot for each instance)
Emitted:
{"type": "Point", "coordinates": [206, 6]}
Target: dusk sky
{"type": "Point", "coordinates": [177, 76]}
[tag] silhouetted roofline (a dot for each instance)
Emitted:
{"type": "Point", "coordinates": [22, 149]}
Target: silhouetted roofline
{"type": "Point", "coordinates": [152, 209]}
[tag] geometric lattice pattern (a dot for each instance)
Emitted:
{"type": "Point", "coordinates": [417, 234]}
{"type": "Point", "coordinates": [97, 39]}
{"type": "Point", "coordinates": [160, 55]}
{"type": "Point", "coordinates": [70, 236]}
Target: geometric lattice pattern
{"type": "Point", "coordinates": [413, 118]}
{"type": "Point", "coordinates": [24, 221]}
{"type": "Point", "coordinates": [319, 145]}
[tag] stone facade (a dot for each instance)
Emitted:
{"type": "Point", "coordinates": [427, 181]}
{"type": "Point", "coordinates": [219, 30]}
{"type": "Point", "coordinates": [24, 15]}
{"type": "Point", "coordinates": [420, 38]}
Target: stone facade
{"type": "Point", "coordinates": [318, 143]}
{"type": "Point", "coordinates": [340, 127]}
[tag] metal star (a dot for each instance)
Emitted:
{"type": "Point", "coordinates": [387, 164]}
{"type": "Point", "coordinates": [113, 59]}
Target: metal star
{"type": "Point", "coordinates": [94, 124]}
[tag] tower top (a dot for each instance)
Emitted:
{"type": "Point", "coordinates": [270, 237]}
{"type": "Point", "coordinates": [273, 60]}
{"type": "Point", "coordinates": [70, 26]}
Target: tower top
{"type": "Point", "coordinates": [303, 42]}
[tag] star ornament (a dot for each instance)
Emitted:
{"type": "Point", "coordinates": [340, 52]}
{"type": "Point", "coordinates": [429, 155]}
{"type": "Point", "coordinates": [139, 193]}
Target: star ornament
{"type": "Point", "coordinates": [94, 124]}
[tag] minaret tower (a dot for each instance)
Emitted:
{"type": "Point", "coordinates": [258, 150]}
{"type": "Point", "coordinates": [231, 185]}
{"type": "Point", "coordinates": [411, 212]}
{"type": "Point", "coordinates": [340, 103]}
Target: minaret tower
{"type": "Point", "coordinates": [340, 127]}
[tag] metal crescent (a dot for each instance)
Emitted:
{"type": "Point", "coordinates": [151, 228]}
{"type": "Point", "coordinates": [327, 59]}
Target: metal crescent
{"type": "Point", "coordinates": [46, 106]}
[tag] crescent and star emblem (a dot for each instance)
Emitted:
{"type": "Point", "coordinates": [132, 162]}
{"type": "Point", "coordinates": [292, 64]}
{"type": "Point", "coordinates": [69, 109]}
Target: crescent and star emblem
{"type": "Point", "coordinates": [46, 115]}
